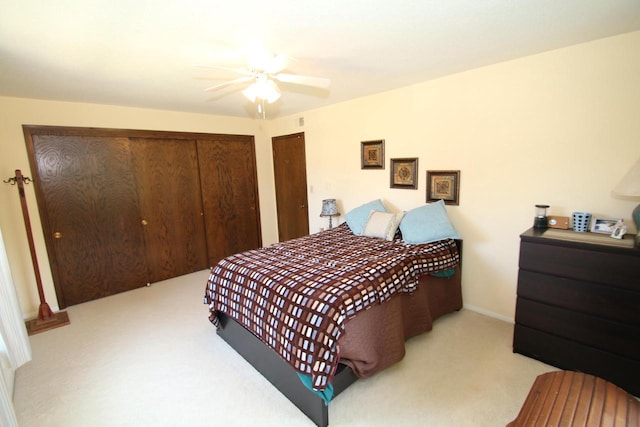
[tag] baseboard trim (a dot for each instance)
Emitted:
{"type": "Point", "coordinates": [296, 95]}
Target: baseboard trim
{"type": "Point", "coordinates": [489, 313]}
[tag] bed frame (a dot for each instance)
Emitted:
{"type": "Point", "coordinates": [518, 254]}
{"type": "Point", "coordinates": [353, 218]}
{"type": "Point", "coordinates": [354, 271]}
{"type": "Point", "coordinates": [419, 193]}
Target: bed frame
{"type": "Point", "coordinates": [281, 374]}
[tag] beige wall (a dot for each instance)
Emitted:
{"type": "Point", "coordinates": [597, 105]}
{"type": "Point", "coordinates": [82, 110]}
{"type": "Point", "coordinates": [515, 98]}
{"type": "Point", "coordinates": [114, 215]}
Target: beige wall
{"type": "Point", "coordinates": [15, 112]}
{"type": "Point", "coordinates": [559, 128]}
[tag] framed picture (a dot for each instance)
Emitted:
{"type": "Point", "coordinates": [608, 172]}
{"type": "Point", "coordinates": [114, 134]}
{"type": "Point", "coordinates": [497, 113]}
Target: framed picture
{"type": "Point", "coordinates": [443, 185]}
{"type": "Point", "coordinates": [603, 225]}
{"type": "Point", "coordinates": [404, 173]}
{"type": "Point", "coordinates": [372, 154]}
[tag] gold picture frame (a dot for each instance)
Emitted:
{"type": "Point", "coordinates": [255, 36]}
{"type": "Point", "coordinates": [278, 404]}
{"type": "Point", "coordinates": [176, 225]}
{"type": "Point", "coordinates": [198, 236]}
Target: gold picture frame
{"type": "Point", "coordinates": [372, 154]}
{"type": "Point", "coordinates": [443, 185]}
{"type": "Point", "coordinates": [404, 173]}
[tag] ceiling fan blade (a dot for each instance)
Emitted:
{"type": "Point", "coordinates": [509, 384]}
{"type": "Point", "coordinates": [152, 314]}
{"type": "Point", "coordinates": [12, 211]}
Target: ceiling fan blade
{"type": "Point", "coordinates": [230, 82]}
{"type": "Point", "coordinates": [302, 80]}
{"type": "Point", "coordinates": [220, 67]}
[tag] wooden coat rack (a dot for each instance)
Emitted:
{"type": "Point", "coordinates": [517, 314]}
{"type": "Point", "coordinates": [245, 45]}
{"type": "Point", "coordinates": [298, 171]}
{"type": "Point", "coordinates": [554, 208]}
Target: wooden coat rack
{"type": "Point", "coordinates": [46, 318]}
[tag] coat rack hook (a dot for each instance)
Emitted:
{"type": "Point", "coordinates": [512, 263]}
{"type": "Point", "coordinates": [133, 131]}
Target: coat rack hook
{"type": "Point", "coordinates": [14, 180]}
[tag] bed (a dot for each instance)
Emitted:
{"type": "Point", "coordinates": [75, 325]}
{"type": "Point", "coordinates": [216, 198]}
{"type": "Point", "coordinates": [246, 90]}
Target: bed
{"type": "Point", "coordinates": [316, 313]}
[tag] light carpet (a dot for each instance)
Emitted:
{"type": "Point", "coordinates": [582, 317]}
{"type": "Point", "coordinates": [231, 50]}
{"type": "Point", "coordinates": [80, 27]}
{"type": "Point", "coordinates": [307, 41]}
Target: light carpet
{"type": "Point", "coordinates": [150, 357]}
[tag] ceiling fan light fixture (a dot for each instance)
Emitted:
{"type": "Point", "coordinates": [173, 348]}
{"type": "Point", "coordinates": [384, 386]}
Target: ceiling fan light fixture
{"type": "Point", "coordinates": [263, 89]}
{"type": "Point", "coordinates": [270, 93]}
{"type": "Point", "coordinates": [263, 72]}
{"type": "Point", "coordinates": [251, 92]}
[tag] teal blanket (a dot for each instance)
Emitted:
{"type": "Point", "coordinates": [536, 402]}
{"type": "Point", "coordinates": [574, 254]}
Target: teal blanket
{"type": "Point", "coordinates": [445, 273]}
{"type": "Point", "coordinates": [326, 394]}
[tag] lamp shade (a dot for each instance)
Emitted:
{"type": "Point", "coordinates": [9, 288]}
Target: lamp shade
{"type": "Point", "coordinates": [329, 208]}
{"type": "Point", "coordinates": [629, 186]}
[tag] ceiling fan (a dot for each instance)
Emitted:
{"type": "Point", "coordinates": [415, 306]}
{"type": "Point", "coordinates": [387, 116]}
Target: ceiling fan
{"type": "Point", "coordinates": [263, 70]}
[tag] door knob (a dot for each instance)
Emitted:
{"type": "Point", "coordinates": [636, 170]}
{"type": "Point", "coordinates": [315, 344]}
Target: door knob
{"type": "Point", "coordinates": [301, 206]}
{"type": "Point", "coordinates": [57, 235]}
{"type": "Point", "coordinates": [144, 222]}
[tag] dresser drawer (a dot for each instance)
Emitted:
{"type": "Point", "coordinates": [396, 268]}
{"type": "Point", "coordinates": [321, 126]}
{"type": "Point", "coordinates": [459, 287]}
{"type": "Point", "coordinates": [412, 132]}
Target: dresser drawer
{"type": "Point", "coordinates": [587, 264]}
{"type": "Point", "coordinates": [567, 354]}
{"type": "Point", "coordinates": [606, 301]}
{"type": "Point", "coordinates": [592, 331]}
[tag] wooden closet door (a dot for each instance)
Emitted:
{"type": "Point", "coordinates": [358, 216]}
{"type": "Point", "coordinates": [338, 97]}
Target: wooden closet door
{"type": "Point", "coordinates": [89, 209]}
{"type": "Point", "coordinates": [170, 206]}
{"type": "Point", "coordinates": [230, 195]}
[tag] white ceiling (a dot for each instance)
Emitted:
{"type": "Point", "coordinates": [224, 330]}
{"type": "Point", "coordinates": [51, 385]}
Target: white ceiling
{"type": "Point", "coordinates": [141, 52]}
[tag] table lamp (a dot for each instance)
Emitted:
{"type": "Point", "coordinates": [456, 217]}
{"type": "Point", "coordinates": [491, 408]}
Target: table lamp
{"type": "Point", "coordinates": [330, 209]}
{"type": "Point", "coordinates": [630, 187]}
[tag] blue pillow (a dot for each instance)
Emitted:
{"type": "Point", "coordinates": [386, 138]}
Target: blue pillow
{"type": "Point", "coordinates": [357, 218]}
{"type": "Point", "coordinates": [427, 224]}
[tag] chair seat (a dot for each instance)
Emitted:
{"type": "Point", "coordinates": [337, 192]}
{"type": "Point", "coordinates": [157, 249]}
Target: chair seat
{"type": "Point", "coordinates": [572, 399]}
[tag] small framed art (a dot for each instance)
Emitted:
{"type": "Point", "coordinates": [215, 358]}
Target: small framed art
{"type": "Point", "coordinates": [404, 173]}
{"type": "Point", "coordinates": [443, 185]}
{"type": "Point", "coordinates": [372, 154]}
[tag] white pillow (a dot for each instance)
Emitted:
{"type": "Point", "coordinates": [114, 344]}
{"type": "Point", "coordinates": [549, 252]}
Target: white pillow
{"type": "Point", "coordinates": [382, 225]}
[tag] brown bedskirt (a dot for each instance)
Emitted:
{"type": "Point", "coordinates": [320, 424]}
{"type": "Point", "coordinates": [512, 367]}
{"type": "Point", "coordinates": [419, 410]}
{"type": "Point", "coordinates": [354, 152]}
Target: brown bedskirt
{"type": "Point", "coordinates": [374, 339]}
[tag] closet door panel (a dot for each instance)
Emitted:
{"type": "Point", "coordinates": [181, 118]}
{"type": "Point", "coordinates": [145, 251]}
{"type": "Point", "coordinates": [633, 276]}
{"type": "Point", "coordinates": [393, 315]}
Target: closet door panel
{"type": "Point", "coordinates": [230, 195]}
{"type": "Point", "coordinates": [170, 205]}
{"type": "Point", "coordinates": [122, 208]}
{"type": "Point", "coordinates": [93, 233]}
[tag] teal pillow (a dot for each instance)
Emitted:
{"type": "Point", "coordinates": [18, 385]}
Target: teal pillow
{"type": "Point", "coordinates": [427, 224]}
{"type": "Point", "coordinates": [357, 218]}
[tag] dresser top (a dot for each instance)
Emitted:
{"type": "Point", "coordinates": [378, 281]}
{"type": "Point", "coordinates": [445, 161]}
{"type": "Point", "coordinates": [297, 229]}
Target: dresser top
{"type": "Point", "coordinates": [588, 239]}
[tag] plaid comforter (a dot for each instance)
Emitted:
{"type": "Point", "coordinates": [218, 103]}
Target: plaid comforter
{"type": "Point", "coordinates": [296, 296]}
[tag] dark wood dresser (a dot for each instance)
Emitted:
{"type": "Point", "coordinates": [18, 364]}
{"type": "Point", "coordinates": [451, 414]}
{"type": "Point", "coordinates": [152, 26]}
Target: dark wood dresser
{"type": "Point", "coordinates": [578, 304]}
